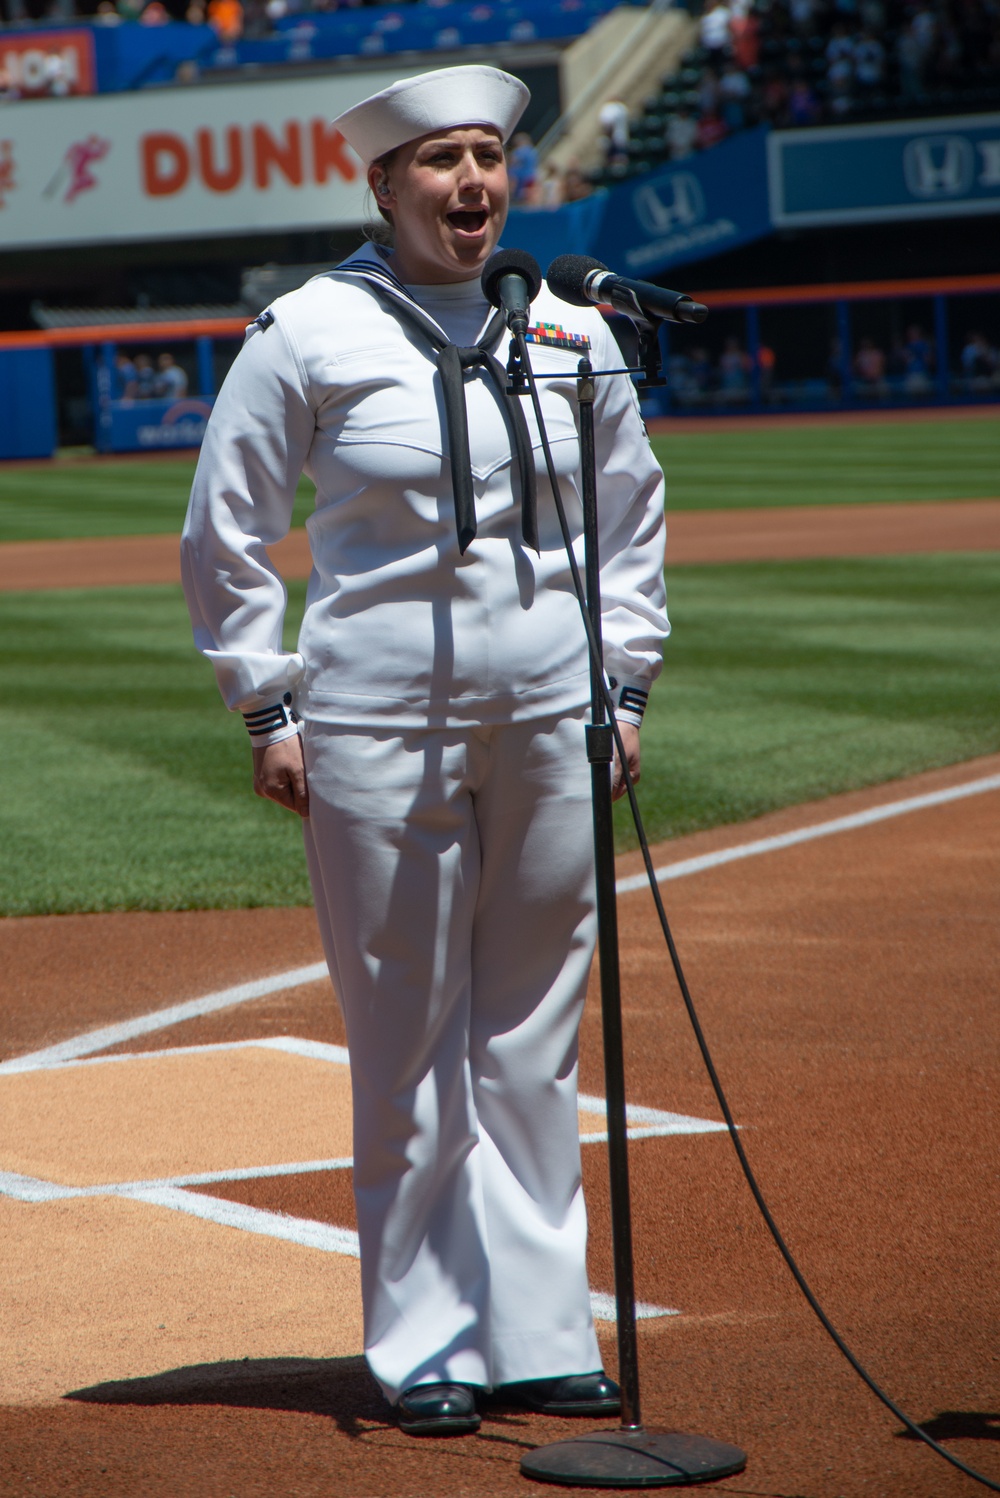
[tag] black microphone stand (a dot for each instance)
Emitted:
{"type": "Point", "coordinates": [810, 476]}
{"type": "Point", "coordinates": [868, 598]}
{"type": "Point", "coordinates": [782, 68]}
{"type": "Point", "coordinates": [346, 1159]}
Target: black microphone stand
{"type": "Point", "coordinates": [631, 1456]}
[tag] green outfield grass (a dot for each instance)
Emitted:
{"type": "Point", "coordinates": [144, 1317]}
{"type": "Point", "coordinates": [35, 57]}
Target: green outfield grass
{"type": "Point", "coordinates": [831, 464]}
{"type": "Point", "coordinates": [84, 496]}
{"type": "Point", "coordinates": [126, 783]}
{"type": "Point", "coordinates": [709, 470]}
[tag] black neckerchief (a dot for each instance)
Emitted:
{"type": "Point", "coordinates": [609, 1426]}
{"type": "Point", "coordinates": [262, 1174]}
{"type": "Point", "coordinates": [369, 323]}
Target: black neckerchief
{"type": "Point", "coordinates": [452, 361]}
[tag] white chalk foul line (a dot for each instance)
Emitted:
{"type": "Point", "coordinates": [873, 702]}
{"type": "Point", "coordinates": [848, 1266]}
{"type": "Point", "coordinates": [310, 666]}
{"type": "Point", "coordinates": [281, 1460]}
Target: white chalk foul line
{"type": "Point", "coordinates": [806, 834]}
{"type": "Point", "coordinates": [603, 1308]}
{"type": "Point", "coordinates": [304, 1231]}
{"type": "Point", "coordinates": [162, 1019]}
{"type": "Point", "coordinates": [644, 1123]}
{"type": "Point", "coordinates": [314, 1050]}
{"type": "Point", "coordinates": [242, 993]}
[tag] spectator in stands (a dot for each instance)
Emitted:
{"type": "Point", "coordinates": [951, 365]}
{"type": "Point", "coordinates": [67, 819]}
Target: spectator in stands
{"type": "Point", "coordinates": [918, 361]}
{"type": "Point", "coordinates": [803, 14]}
{"type": "Point", "coordinates": [924, 26]}
{"type": "Point", "coordinates": [256, 21]}
{"type": "Point", "coordinates": [155, 13]}
{"type": "Point", "coordinates": [550, 188]}
{"type": "Point", "coordinates": [774, 98]}
{"type": "Point", "coordinates": [106, 14]}
{"type": "Point", "coordinates": [803, 106]}
{"type": "Point", "coordinates": [123, 386]}
{"type": "Point", "coordinates": [714, 31]}
{"type": "Point", "coordinates": [226, 18]}
{"type": "Point", "coordinates": [522, 169]}
{"type": "Point", "coordinates": [744, 34]}
{"type": "Point", "coordinates": [615, 133]}
{"type": "Point", "coordinates": [711, 129]}
{"type": "Point", "coordinates": [575, 184]}
{"type": "Point", "coordinates": [58, 81]}
{"type": "Point", "coordinates": [734, 91]}
{"type": "Point", "coordinates": [872, 16]}
{"type": "Point", "coordinates": [869, 368]}
{"type": "Point", "coordinates": [144, 378]}
{"type": "Point", "coordinates": [980, 364]}
{"type": "Point", "coordinates": [734, 372]}
{"type": "Point", "coordinates": [910, 61]}
{"type": "Point", "coordinates": [840, 45]}
{"type": "Point", "coordinates": [170, 382]}
{"type": "Point", "coordinates": [700, 373]}
{"type": "Point", "coordinates": [840, 83]}
{"type": "Point", "coordinates": [682, 134]}
{"type": "Point", "coordinates": [869, 62]}
{"type": "Point", "coordinates": [766, 361]}
{"type": "Point", "coordinates": [709, 93]}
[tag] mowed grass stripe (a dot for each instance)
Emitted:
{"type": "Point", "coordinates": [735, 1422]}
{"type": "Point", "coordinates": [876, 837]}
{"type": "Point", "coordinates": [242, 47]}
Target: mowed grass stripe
{"type": "Point", "coordinates": [77, 497]}
{"type": "Point", "coordinates": [708, 470]}
{"type": "Point", "coordinates": [836, 464]}
{"type": "Point", "coordinates": [127, 784]}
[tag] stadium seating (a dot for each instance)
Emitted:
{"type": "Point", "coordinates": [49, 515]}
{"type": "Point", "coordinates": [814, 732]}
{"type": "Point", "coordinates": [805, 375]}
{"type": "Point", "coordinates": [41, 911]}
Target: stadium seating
{"type": "Point", "coordinates": [796, 63]}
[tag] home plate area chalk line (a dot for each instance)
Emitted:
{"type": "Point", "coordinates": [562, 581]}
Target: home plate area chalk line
{"type": "Point", "coordinates": [36, 1089]}
{"type": "Point", "coordinates": [39, 1077]}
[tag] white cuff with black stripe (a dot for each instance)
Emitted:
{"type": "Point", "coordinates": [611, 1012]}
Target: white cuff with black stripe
{"type": "Point", "coordinates": [630, 698]}
{"type": "Point", "coordinates": [269, 725]}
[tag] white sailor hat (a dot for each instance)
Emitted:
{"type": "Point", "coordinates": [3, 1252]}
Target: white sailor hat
{"type": "Point", "coordinates": [441, 100]}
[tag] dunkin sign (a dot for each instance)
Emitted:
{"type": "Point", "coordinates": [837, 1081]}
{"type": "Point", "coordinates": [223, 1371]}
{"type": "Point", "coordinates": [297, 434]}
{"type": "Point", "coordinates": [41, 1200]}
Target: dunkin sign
{"type": "Point", "coordinates": [182, 162]}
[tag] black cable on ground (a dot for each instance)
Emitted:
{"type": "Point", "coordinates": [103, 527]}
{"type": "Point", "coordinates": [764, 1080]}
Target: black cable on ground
{"type": "Point", "coordinates": [751, 1179]}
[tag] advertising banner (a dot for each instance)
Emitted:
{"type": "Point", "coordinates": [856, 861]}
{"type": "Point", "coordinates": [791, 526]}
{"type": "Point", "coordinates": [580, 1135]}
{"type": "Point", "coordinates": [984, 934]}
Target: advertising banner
{"type": "Point", "coordinates": [152, 425]}
{"type": "Point", "coordinates": [701, 206]}
{"type": "Point", "coordinates": [55, 62]}
{"type": "Point", "coordinates": [180, 163]}
{"type": "Point", "coordinates": [681, 213]}
{"type": "Point", "coordinates": [876, 173]}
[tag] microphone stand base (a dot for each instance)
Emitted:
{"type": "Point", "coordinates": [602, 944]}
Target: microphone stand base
{"type": "Point", "coordinates": [639, 1458]}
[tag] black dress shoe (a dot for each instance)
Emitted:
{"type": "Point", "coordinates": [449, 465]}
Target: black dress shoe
{"type": "Point", "coordinates": [580, 1394]}
{"type": "Point", "coordinates": [438, 1410]}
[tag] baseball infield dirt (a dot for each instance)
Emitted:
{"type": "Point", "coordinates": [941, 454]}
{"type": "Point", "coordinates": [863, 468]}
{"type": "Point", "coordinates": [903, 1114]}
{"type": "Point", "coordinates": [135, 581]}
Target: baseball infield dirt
{"type": "Point", "coordinates": [694, 537]}
{"type": "Point", "coordinates": [848, 987]}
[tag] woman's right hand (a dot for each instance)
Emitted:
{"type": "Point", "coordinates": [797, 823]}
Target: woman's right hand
{"type": "Point", "coordinates": [279, 774]}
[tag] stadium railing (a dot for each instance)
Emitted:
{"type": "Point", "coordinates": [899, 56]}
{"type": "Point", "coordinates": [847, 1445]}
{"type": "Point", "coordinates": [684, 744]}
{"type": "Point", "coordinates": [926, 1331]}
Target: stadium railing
{"type": "Point", "coordinates": [793, 372]}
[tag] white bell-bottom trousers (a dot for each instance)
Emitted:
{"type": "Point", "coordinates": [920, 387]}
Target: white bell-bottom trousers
{"type": "Point", "coordinates": [453, 877]}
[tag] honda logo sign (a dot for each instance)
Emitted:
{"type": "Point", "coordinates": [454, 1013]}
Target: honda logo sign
{"type": "Point", "coordinates": [939, 166]}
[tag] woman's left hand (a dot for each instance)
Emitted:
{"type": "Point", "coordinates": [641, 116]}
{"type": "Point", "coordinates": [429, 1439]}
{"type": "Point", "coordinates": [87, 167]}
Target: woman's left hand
{"type": "Point", "coordinates": [630, 742]}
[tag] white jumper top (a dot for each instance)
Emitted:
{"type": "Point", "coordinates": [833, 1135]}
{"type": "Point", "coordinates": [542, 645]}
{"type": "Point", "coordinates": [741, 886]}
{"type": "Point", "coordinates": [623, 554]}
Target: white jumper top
{"type": "Point", "coordinates": [400, 629]}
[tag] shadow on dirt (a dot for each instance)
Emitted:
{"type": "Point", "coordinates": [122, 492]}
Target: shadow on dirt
{"type": "Point", "coordinates": [958, 1425]}
{"type": "Point", "coordinates": [341, 1388]}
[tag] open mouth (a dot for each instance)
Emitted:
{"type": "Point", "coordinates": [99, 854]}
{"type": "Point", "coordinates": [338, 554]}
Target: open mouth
{"type": "Point", "coordinates": [469, 220]}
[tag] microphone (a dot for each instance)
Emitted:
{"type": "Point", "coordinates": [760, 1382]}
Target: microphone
{"type": "Point", "coordinates": [511, 280]}
{"type": "Point", "coordinates": [581, 280]}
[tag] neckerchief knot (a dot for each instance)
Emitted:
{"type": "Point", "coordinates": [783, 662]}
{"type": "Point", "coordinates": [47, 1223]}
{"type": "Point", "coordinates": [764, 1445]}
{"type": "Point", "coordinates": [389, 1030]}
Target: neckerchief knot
{"type": "Point", "coordinates": [452, 362]}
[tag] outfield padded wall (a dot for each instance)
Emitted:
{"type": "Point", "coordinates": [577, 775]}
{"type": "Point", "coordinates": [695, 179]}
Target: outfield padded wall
{"type": "Point", "coordinates": [27, 403]}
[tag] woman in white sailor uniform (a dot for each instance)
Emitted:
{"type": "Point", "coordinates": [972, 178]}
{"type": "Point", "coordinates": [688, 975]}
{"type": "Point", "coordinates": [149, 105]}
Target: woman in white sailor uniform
{"type": "Point", "coordinates": [430, 732]}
